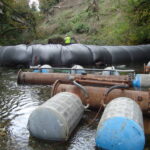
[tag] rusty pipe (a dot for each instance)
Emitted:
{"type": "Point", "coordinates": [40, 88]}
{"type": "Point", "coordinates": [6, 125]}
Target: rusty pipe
{"type": "Point", "coordinates": [116, 87]}
{"type": "Point", "coordinates": [147, 125]}
{"type": "Point", "coordinates": [88, 79]}
{"type": "Point", "coordinates": [96, 95]}
{"type": "Point", "coordinates": [81, 87]}
{"type": "Point", "coordinates": [42, 78]}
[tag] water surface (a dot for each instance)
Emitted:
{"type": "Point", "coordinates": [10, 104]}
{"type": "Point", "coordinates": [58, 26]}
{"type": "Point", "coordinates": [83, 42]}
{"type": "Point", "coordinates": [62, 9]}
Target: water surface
{"type": "Point", "coordinates": [17, 103]}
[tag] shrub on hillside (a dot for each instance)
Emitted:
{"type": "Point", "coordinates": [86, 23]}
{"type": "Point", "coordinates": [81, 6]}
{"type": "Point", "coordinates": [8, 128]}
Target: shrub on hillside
{"type": "Point", "coordinates": [81, 28]}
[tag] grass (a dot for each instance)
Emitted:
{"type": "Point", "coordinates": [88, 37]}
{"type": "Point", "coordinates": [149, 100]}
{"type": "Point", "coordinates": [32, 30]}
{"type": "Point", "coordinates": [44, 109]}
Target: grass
{"type": "Point", "coordinates": [116, 23]}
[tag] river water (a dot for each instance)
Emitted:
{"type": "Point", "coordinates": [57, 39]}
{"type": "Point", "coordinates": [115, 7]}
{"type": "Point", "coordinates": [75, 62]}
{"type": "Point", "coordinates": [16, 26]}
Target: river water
{"type": "Point", "coordinates": [16, 104]}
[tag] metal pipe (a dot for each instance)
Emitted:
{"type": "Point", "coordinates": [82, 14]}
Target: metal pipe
{"type": "Point", "coordinates": [87, 79]}
{"type": "Point", "coordinates": [116, 87]}
{"type": "Point", "coordinates": [112, 88]}
{"type": "Point", "coordinates": [96, 95]}
{"type": "Point", "coordinates": [87, 69]}
{"type": "Point", "coordinates": [82, 88]}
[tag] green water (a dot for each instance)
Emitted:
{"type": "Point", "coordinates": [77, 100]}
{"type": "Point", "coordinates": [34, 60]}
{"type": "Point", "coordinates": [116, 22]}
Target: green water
{"type": "Point", "coordinates": [16, 104]}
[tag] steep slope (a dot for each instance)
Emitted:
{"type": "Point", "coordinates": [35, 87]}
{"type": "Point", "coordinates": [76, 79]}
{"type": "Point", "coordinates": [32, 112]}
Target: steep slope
{"type": "Point", "coordinates": [111, 22]}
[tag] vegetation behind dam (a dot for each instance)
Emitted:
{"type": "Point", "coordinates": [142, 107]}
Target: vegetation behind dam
{"type": "Point", "coordinates": [101, 22]}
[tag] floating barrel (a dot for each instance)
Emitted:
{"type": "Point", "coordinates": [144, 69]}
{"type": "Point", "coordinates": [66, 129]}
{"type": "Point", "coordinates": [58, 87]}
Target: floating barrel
{"type": "Point", "coordinates": [147, 68]}
{"type": "Point", "coordinates": [56, 118]}
{"type": "Point", "coordinates": [77, 69]}
{"type": "Point", "coordinates": [121, 126]}
{"type": "Point", "coordinates": [36, 70]}
{"type": "Point", "coordinates": [43, 69]}
{"type": "Point", "coordinates": [110, 71]}
{"type": "Point", "coordinates": [46, 69]}
{"type": "Point", "coordinates": [148, 64]}
{"type": "Point", "coordinates": [141, 80]}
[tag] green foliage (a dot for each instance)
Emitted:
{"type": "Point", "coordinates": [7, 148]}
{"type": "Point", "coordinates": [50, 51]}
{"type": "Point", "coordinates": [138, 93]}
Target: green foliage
{"type": "Point", "coordinates": [128, 24]}
{"type": "Point", "coordinates": [80, 17]}
{"type": "Point", "coordinates": [64, 27]}
{"type": "Point", "coordinates": [120, 22]}
{"type": "Point", "coordinates": [142, 13]}
{"type": "Point", "coordinates": [17, 19]}
{"type": "Point", "coordinates": [81, 28]}
{"type": "Point", "coordinates": [141, 21]}
{"type": "Point", "coordinates": [46, 5]}
{"type": "Point", "coordinates": [116, 22]}
{"type": "Point", "coordinates": [135, 3]}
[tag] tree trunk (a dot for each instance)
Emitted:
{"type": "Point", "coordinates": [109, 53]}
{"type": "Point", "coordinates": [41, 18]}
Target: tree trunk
{"type": "Point", "coordinates": [93, 6]}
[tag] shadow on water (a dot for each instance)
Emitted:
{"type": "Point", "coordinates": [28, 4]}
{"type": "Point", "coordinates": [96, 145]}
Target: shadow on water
{"type": "Point", "coordinates": [16, 104]}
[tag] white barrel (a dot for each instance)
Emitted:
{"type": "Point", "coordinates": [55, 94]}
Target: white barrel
{"type": "Point", "coordinates": [46, 69]}
{"type": "Point", "coordinates": [148, 64]}
{"type": "Point", "coordinates": [110, 71]}
{"type": "Point", "coordinates": [121, 126]}
{"type": "Point", "coordinates": [56, 118]}
{"type": "Point", "coordinates": [77, 69]}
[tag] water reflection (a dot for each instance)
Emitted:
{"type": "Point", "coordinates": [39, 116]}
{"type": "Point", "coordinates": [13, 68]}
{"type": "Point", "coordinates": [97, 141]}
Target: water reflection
{"type": "Point", "coordinates": [16, 104]}
{"type": "Point", "coordinates": [28, 100]}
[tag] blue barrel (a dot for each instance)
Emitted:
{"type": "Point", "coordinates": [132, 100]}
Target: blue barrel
{"type": "Point", "coordinates": [121, 126]}
{"type": "Point", "coordinates": [36, 70]}
{"type": "Point", "coordinates": [141, 80]}
{"type": "Point", "coordinates": [56, 118]}
{"type": "Point", "coordinates": [46, 69]}
{"type": "Point", "coordinates": [43, 69]}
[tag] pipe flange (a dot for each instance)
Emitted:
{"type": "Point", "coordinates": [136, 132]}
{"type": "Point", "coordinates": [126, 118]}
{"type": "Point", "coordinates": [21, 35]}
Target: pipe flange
{"type": "Point", "coordinates": [54, 87]}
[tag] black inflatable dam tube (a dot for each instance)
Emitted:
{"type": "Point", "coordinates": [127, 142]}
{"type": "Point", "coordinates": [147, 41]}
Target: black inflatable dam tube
{"type": "Point", "coordinates": [58, 55]}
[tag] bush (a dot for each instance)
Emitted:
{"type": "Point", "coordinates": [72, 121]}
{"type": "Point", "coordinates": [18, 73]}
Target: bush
{"type": "Point", "coordinates": [81, 28]}
{"type": "Point", "coordinates": [64, 28]}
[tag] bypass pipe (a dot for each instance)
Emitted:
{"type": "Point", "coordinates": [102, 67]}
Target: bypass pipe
{"type": "Point", "coordinates": [88, 79]}
{"type": "Point", "coordinates": [82, 88]}
{"type": "Point", "coordinates": [58, 55]}
{"type": "Point", "coordinates": [96, 95]}
{"type": "Point", "coordinates": [86, 69]}
{"type": "Point", "coordinates": [112, 88]}
{"type": "Point", "coordinates": [116, 87]}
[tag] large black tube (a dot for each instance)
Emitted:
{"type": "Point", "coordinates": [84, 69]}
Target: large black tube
{"type": "Point", "coordinates": [46, 54]}
{"type": "Point", "coordinates": [58, 55]}
{"type": "Point", "coordinates": [15, 55]}
{"type": "Point", "coordinates": [76, 54]}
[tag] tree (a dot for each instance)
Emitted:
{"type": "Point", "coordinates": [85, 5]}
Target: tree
{"type": "Point", "coordinates": [16, 19]}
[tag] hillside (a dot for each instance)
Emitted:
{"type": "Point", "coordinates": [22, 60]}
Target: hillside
{"type": "Point", "coordinates": [110, 22]}
{"type": "Point", "coordinates": [102, 22]}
